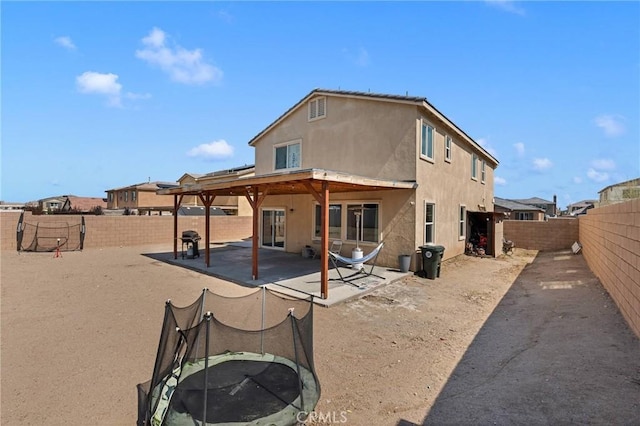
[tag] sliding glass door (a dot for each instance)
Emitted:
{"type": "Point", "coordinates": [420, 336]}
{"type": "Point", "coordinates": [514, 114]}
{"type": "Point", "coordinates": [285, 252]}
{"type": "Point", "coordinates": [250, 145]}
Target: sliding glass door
{"type": "Point", "coordinates": [273, 229]}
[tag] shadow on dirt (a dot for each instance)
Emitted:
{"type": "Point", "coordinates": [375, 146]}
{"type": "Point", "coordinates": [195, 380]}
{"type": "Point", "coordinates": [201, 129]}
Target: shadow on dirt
{"type": "Point", "coordinates": [556, 350]}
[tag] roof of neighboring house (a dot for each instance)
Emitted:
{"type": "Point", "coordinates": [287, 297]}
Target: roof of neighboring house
{"type": "Point", "coordinates": [414, 100]}
{"type": "Point", "coordinates": [532, 200]}
{"type": "Point", "coordinates": [630, 182]}
{"type": "Point", "coordinates": [514, 205]}
{"type": "Point", "coordinates": [583, 203]}
{"type": "Point", "coordinates": [147, 186]}
{"type": "Point", "coordinates": [86, 203]}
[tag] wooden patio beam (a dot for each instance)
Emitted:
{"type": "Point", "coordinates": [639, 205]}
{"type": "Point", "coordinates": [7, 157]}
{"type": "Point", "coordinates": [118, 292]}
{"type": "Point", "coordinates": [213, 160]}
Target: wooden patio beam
{"type": "Point", "coordinates": [177, 200]}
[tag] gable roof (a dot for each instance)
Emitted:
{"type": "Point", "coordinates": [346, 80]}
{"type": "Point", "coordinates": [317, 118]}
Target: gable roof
{"type": "Point", "coordinates": [85, 204]}
{"type": "Point", "coordinates": [147, 186]}
{"type": "Point", "coordinates": [630, 182]}
{"type": "Point", "coordinates": [514, 205]}
{"type": "Point", "coordinates": [412, 100]}
{"type": "Point", "coordinates": [533, 200]}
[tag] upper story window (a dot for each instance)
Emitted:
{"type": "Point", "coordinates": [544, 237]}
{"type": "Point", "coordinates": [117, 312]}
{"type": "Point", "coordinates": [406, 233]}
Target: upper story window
{"type": "Point", "coordinates": [287, 156]}
{"type": "Point", "coordinates": [427, 136]}
{"type": "Point", "coordinates": [133, 195]}
{"type": "Point", "coordinates": [126, 196]}
{"type": "Point", "coordinates": [317, 108]}
{"type": "Point", "coordinates": [111, 196]}
{"type": "Point", "coordinates": [483, 171]}
{"type": "Point", "coordinates": [474, 166]}
{"type": "Point", "coordinates": [447, 148]}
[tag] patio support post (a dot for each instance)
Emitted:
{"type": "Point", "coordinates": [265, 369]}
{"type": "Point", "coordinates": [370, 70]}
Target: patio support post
{"type": "Point", "coordinates": [207, 200]}
{"type": "Point", "coordinates": [177, 200]}
{"type": "Point", "coordinates": [323, 200]}
{"type": "Point", "coordinates": [324, 243]}
{"type": "Point", "coordinates": [255, 202]}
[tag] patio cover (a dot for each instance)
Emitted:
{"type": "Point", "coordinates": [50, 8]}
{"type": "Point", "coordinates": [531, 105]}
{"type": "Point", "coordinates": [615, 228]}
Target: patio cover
{"type": "Point", "coordinates": [317, 182]}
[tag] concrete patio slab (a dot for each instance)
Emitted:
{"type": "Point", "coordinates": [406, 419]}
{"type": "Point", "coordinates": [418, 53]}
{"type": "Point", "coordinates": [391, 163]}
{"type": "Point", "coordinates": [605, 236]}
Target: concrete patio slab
{"type": "Point", "coordinates": [288, 273]}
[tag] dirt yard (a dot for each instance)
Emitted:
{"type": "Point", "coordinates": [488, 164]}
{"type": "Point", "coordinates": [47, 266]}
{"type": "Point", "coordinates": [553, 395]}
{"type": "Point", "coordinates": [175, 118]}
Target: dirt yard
{"type": "Point", "coordinates": [79, 332]}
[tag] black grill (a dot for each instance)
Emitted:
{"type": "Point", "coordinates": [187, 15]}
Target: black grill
{"type": "Point", "coordinates": [190, 239]}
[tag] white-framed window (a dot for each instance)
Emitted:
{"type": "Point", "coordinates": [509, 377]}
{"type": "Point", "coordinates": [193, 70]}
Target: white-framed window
{"type": "Point", "coordinates": [133, 195]}
{"type": "Point", "coordinates": [483, 171]}
{"type": "Point", "coordinates": [335, 221]}
{"type": "Point", "coordinates": [362, 222]}
{"type": "Point", "coordinates": [462, 222]}
{"type": "Point", "coordinates": [111, 196]}
{"type": "Point", "coordinates": [287, 155]}
{"type": "Point", "coordinates": [317, 108]}
{"type": "Point", "coordinates": [447, 148]}
{"type": "Point", "coordinates": [429, 222]}
{"type": "Point", "coordinates": [427, 137]}
{"type": "Point", "coordinates": [126, 195]}
{"type": "Point", "coordinates": [474, 166]}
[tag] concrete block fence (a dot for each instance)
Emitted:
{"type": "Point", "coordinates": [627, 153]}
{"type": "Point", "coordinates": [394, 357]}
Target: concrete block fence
{"type": "Point", "coordinates": [115, 231]}
{"type": "Point", "coordinates": [610, 238]}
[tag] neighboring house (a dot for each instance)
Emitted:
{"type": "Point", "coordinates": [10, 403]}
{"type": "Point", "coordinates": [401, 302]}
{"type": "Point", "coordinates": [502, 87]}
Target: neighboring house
{"type": "Point", "coordinates": [52, 204]}
{"type": "Point", "coordinates": [549, 207]}
{"type": "Point", "coordinates": [385, 167]}
{"type": "Point", "coordinates": [580, 207]}
{"type": "Point", "coordinates": [620, 192]}
{"type": "Point", "coordinates": [83, 204]}
{"type": "Point", "coordinates": [514, 210]}
{"type": "Point", "coordinates": [141, 198]}
{"type": "Point", "coordinates": [230, 205]}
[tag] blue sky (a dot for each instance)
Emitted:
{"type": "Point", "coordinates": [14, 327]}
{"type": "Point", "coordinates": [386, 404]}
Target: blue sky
{"type": "Point", "coordinates": [101, 95]}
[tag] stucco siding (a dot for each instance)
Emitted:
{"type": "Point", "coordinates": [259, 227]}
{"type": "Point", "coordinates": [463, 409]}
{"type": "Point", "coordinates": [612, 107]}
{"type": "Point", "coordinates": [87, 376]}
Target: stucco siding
{"type": "Point", "coordinates": [361, 137]}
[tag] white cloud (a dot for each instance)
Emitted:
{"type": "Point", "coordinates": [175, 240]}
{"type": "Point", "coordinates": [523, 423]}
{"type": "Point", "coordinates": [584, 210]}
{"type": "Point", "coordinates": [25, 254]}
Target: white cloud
{"type": "Point", "coordinates": [215, 150]}
{"type": "Point", "coordinates": [577, 179]}
{"type": "Point", "coordinates": [499, 181]}
{"type": "Point", "coordinates": [182, 65]}
{"type": "Point", "coordinates": [65, 42]}
{"type": "Point", "coordinates": [507, 6]}
{"type": "Point", "coordinates": [612, 125]}
{"type": "Point", "coordinates": [603, 164]}
{"type": "Point", "coordinates": [597, 176]}
{"type": "Point", "coordinates": [519, 146]}
{"type": "Point", "coordinates": [100, 84]}
{"type": "Point", "coordinates": [541, 164]}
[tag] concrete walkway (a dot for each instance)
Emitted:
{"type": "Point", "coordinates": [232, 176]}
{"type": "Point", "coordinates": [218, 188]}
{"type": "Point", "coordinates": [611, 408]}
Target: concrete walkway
{"type": "Point", "coordinates": [555, 351]}
{"type": "Point", "coordinates": [285, 272]}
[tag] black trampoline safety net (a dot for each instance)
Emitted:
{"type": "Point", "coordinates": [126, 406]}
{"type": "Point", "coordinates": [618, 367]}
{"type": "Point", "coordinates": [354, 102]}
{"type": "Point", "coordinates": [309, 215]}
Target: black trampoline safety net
{"type": "Point", "coordinates": [240, 360]}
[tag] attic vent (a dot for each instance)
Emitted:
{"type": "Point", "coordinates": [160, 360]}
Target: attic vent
{"type": "Point", "coordinates": [317, 108]}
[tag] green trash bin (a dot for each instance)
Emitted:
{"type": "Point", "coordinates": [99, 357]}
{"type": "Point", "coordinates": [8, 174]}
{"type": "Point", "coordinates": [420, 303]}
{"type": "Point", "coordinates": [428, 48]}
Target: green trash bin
{"type": "Point", "coordinates": [431, 260]}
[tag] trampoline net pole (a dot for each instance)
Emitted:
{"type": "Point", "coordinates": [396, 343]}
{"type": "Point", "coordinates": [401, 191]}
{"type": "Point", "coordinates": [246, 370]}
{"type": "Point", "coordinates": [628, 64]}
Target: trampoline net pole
{"type": "Point", "coordinates": [264, 297]}
{"type": "Point", "coordinates": [206, 368]}
{"type": "Point", "coordinates": [295, 352]}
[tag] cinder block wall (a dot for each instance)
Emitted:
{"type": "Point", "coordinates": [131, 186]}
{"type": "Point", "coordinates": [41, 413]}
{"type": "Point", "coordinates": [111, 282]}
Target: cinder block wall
{"type": "Point", "coordinates": [549, 235]}
{"type": "Point", "coordinates": [113, 231]}
{"type": "Point", "coordinates": [610, 238]}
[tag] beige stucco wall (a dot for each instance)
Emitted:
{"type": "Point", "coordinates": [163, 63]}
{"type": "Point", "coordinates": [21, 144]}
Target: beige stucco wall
{"type": "Point", "coordinates": [361, 137]}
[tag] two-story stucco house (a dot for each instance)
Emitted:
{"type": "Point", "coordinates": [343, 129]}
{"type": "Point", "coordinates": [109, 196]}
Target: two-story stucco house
{"type": "Point", "coordinates": [364, 168]}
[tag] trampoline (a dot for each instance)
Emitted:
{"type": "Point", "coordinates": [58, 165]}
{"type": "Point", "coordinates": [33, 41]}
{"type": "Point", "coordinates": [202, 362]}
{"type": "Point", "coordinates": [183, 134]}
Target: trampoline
{"type": "Point", "coordinates": [209, 381]}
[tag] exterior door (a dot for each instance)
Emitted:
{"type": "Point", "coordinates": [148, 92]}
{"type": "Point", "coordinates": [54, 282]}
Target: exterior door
{"type": "Point", "coordinates": [273, 228]}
